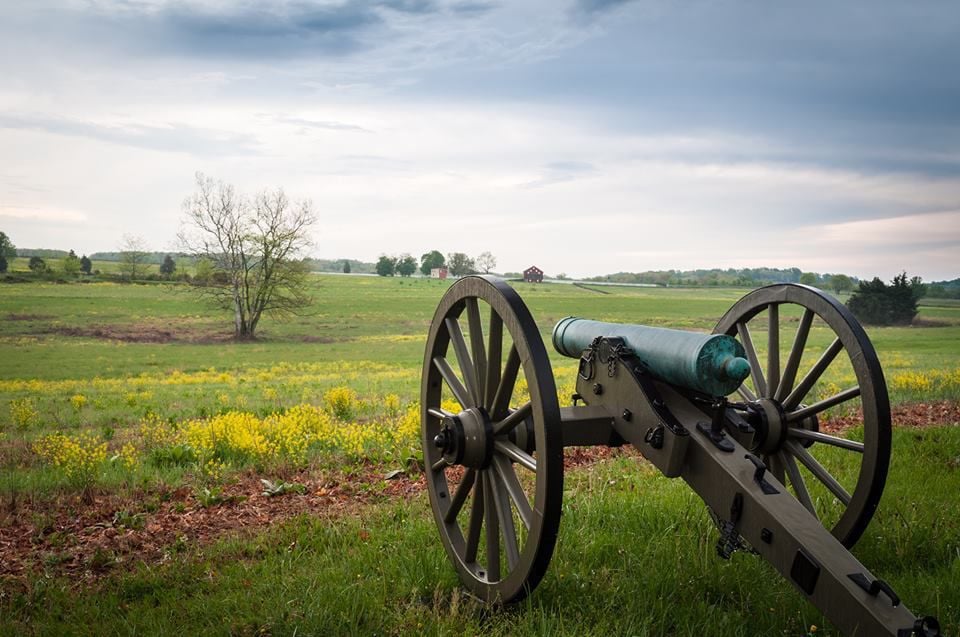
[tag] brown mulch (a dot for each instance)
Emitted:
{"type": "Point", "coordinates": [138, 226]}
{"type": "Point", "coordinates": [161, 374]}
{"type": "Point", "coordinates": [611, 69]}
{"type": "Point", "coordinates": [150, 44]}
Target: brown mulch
{"type": "Point", "coordinates": [915, 415]}
{"type": "Point", "coordinates": [88, 539]}
{"type": "Point", "coordinates": [69, 536]}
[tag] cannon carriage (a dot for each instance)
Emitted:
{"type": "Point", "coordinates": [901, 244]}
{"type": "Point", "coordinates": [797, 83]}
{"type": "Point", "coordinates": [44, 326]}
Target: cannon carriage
{"type": "Point", "coordinates": [493, 435]}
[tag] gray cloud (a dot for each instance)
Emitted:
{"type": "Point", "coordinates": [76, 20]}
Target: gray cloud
{"type": "Point", "coordinates": [558, 172]}
{"type": "Point", "coordinates": [472, 8]}
{"type": "Point", "coordinates": [322, 125]}
{"type": "Point", "coordinates": [830, 84]}
{"type": "Point", "coordinates": [590, 7]}
{"type": "Point", "coordinates": [262, 31]}
{"type": "Point", "coordinates": [173, 138]}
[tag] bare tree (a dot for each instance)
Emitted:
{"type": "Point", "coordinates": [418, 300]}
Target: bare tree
{"type": "Point", "coordinates": [486, 262]}
{"type": "Point", "coordinates": [255, 249]}
{"type": "Point", "coordinates": [133, 257]}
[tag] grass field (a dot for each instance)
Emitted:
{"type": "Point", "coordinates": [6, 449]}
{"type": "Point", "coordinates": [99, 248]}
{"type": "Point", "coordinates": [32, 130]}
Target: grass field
{"type": "Point", "coordinates": [111, 395]}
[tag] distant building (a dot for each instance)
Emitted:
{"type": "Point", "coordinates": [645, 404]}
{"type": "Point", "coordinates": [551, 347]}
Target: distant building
{"type": "Point", "coordinates": [533, 274]}
{"type": "Point", "coordinates": [438, 273]}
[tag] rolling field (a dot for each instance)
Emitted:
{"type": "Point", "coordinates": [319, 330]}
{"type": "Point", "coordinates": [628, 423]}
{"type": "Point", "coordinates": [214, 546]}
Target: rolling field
{"type": "Point", "coordinates": [134, 434]}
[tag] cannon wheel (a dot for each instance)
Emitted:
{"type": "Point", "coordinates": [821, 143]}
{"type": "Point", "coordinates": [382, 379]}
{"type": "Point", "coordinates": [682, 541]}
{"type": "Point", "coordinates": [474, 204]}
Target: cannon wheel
{"type": "Point", "coordinates": [790, 437]}
{"type": "Point", "coordinates": [504, 458]}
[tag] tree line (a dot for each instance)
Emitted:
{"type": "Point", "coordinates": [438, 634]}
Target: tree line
{"type": "Point", "coordinates": [743, 277]}
{"type": "Point", "coordinates": [456, 263]}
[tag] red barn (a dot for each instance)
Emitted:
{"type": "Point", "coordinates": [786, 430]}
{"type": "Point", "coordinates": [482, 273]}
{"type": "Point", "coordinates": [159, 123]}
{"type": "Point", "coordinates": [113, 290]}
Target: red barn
{"type": "Point", "coordinates": [533, 274]}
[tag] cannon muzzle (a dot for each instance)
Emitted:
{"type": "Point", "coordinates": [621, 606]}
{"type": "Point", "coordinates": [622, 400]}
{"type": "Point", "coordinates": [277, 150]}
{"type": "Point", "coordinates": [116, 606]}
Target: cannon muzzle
{"type": "Point", "coordinates": [712, 364]}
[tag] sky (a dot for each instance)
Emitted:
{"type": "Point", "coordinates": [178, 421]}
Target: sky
{"type": "Point", "coordinates": [584, 136]}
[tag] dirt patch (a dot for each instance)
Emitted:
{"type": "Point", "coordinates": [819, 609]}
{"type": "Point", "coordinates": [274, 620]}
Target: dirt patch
{"type": "Point", "coordinates": [919, 321]}
{"type": "Point", "coordinates": [88, 540]}
{"type": "Point", "coordinates": [28, 317]}
{"type": "Point", "coordinates": [914, 415]}
{"type": "Point", "coordinates": [144, 333]}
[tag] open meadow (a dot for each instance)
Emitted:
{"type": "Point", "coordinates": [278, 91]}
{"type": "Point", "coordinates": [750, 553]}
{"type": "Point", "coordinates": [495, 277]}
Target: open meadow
{"type": "Point", "coordinates": [135, 436]}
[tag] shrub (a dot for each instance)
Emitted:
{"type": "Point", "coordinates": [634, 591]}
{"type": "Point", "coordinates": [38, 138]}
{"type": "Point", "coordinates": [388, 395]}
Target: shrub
{"type": "Point", "coordinates": [342, 402]}
{"type": "Point", "coordinates": [876, 303]}
{"type": "Point", "coordinates": [79, 458]}
{"type": "Point", "coordinates": [37, 264]}
{"type": "Point", "coordinates": [23, 414]}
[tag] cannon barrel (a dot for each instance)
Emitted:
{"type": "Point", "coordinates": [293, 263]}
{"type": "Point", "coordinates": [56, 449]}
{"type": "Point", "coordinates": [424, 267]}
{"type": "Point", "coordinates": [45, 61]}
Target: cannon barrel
{"type": "Point", "coordinates": [713, 364]}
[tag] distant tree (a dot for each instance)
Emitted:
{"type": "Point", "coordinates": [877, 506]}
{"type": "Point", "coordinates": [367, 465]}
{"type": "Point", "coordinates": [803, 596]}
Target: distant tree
{"type": "Point", "coordinates": [255, 250]}
{"type": "Point", "coordinates": [876, 303]}
{"type": "Point", "coordinates": [486, 262]}
{"type": "Point", "coordinates": [346, 266]}
{"type": "Point", "coordinates": [460, 264]}
{"type": "Point", "coordinates": [7, 249]}
{"type": "Point", "coordinates": [203, 271]}
{"type": "Point", "coordinates": [841, 283]}
{"type": "Point", "coordinates": [406, 265]}
{"type": "Point", "coordinates": [808, 278]}
{"type": "Point", "coordinates": [3, 264]}
{"type": "Point", "coordinates": [431, 260]}
{"type": "Point", "coordinates": [37, 264]}
{"type": "Point", "coordinates": [71, 264]}
{"type": "Point", "coordinates": [86, 265]}
{"type": "Point", "coordinates": [386, 266]}
{"type": "Point", "coordinates": [133, 257]}
{"type": "Point", "coordinates": [168, 266]}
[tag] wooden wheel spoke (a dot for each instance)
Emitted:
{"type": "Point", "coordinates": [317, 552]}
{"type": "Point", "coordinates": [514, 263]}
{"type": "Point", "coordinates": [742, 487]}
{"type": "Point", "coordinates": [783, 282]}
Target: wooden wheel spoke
{"type": "Point", "coordinates": [773, 349]}
{"type": "Point", "coordinates": [843, 443]}
{"type": "Point", "coordinates": [827, 403]}
{"type": "Point", "coordinates": [793, 472]}
{"type": "Point", "coordinates": [808, 381]}
{"type": "Point", "coordinates": [516, 454]}
{"type": "Point", "coordinates": [756, 372]}
{"type": "Point", "coordinates": [492, 528]}
{"type": "Point", "coordinates": [746, 394]}
{"type": "Point", "coordinates": [460, 495]}
{"type": "Point", "coordinates": [513, 419]}
{"type": "Point", "coordinates": [505, 519]}
{"type": "Point", "coordinates": [477, 347]}
{"type": "Point", "coordinates": [456, 387]}
{"type": "Point", "coordinates": [796, 353]}
{"type": "Point", "coordinates": [494, 358]}
{"type": "Point", "coordinates": [476, 521]}
{"type": "Point", "coordinates": [818, 471]}
{"type": "Point", "coordinates": [505, 389]}
{"type": "Point", "coordinates": [512, 484]}
{"type": "Point", "coordinates": [463, 359]}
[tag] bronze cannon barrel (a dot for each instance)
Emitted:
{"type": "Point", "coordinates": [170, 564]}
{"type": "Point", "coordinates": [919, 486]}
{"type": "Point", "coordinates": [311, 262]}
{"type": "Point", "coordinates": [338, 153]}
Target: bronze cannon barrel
{"type": "Point", "coordinates": [713, 364]}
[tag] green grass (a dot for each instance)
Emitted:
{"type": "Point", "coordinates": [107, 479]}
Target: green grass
{"type": "Point", "coordinates": [635, 557]}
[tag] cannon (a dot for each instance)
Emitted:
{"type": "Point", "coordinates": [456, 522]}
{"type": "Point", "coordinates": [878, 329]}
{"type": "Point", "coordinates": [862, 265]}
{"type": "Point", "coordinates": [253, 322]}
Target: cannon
{"type": "Point", "coordinates": [724, 412]}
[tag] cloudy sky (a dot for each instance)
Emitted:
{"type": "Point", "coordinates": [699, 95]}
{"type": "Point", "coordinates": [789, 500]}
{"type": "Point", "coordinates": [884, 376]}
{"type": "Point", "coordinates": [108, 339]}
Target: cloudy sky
{"type": "Point", "coordinates": [585, 136]}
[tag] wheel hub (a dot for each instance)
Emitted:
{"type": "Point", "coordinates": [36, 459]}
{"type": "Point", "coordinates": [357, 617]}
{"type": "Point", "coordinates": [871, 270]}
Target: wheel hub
{"type": "Point", "coordinates": [772, 427]}
{"type": "Point", "coordinates": [466, 439]}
